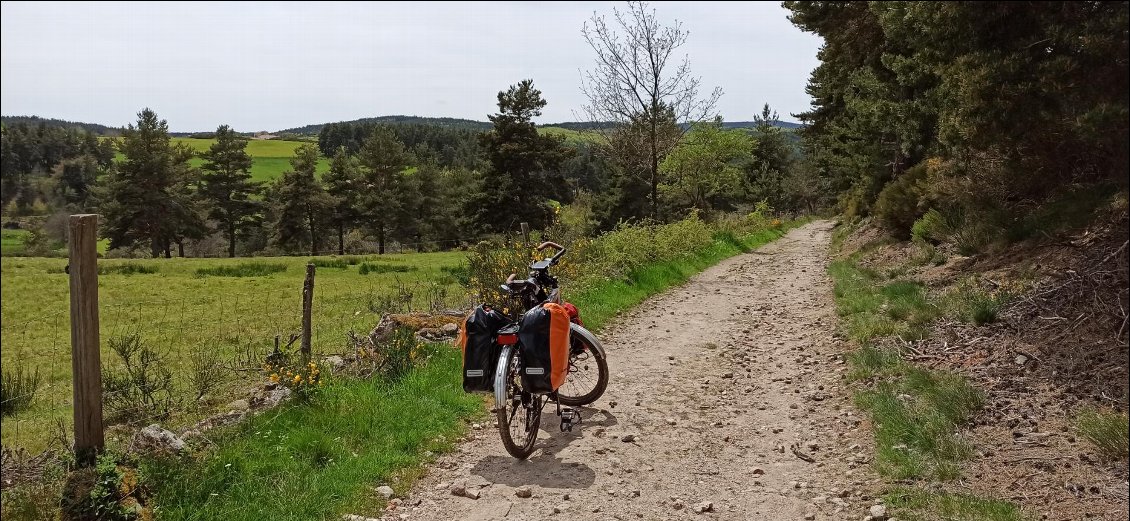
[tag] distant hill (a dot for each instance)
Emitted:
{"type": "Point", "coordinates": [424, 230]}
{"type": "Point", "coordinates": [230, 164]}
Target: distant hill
{"type": "Point", "coordinates": [96, 128]}
{"type": "Point", "coordinates": [312, 130]}
{"type": "Point", "coordinates": [397, 120]}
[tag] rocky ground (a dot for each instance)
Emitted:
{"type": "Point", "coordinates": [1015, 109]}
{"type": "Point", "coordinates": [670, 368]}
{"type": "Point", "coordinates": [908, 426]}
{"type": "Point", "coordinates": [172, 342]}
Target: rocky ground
{"type": "Point", "coordinates": [726, 401]}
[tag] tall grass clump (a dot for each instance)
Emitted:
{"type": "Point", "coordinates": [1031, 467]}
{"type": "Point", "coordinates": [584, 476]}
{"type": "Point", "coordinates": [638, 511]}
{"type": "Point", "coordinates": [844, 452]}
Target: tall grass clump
{"type": "Point", "coordinates": [129, 268]}
{"type": "Point", "coordinates": [1109, 431]}
{"type": "Point", "coordinates": [329, 263]}
{"type": "Point", "coordinates": [243, 269]}
{"type": "Point", "coordinates": [17, 390]}
{"type": "Point", "coordinates": [375, 267]}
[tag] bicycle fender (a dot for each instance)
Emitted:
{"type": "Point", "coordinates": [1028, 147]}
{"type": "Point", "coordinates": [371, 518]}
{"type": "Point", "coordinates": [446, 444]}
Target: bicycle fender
{"type": "Point", "coordinates": [590, 338]}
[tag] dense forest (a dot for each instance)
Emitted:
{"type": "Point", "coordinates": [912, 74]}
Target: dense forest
{"type": "Point", "coordinates": [967, 123]}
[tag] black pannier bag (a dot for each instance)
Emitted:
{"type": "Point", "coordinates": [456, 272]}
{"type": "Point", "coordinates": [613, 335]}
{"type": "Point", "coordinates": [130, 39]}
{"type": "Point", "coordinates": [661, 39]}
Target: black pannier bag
{"type": "Point", "coordinates": [480, 353]}
{"type": "Point", "coordinates": [545, 348]}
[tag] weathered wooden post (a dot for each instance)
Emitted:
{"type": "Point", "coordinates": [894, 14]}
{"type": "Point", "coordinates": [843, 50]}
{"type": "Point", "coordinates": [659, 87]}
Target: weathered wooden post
{"type": "Point", "coordinates": [86, 363]}
{"type": "Point", "coordinates": [307, 307]}
{"type": "Point", "coordinates": [526, 233]}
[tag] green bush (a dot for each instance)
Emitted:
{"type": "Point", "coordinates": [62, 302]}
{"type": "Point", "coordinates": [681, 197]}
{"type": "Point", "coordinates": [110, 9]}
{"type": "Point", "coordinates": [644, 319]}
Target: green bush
{"type": "Point", "coordinates": [243, 269]}
{"type": "Point", "coordinates": [898, 204]}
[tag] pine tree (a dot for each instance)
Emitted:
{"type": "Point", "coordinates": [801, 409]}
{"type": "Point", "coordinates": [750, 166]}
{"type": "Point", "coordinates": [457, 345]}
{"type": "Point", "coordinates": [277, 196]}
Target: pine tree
{"type": "Point", "coordinates": [227, 185]}
{"type": "Point", "coordinates": [342, 182]}
{"type": "Point", "coordinates": [525, 165]}
{"type": "Point", "coordinates": [147, 198]}
{"type": "Point", "coordinates": [302, 202]}
{"type": "Point", "coordinates": [380, 200]}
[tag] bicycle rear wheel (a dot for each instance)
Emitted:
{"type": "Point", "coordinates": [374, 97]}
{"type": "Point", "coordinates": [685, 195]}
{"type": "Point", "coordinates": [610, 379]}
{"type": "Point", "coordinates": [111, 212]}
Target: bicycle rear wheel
{"type": "Point", "coordinates": [588, 370]}
{"type": "Point", "coordinates": [518, 412]}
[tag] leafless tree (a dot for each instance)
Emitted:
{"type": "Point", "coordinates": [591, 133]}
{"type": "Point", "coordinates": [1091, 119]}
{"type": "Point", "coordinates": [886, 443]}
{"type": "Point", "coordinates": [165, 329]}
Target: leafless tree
{"type": "Point", "coordinates": [639, 84]}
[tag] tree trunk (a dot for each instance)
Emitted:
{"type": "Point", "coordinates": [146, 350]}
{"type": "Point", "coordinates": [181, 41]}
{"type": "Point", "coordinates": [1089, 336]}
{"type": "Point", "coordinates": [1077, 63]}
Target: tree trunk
{"type": "Point", "coordinates": [155, 247]}
{"type": "Point", "coordinates": [654, 165]}
{"type": "Point", "coordinates": [168, 249]}
{"type": "Point", "coordinates": [180, 248]}
{"type": "Point", "coordinates": [341, 237]}
{"type": "Point", "coordinates": [231, 240]}
{"type": "Point", "coordinates": [381, 240]}
{"type": "Point", "coordinates": [313, 239]}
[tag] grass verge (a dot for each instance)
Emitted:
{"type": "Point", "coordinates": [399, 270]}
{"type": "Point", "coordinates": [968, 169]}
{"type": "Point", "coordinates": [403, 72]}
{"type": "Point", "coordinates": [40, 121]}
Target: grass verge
{"type": "Point", "coordinates": [321, 459]}
{"type": "Point", "coordinates": [921, 505]}
{"type": "Point", "coordinates": [916, 412]}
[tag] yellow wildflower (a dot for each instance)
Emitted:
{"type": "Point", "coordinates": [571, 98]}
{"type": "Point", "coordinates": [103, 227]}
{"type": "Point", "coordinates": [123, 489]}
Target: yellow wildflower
{"type": "Point", "coordinates": [275, 377]}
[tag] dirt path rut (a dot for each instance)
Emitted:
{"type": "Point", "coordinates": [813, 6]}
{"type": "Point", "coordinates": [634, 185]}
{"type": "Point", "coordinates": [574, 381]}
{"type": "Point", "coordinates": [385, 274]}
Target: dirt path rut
{"type": "Point", "coordinates": [729, 389]}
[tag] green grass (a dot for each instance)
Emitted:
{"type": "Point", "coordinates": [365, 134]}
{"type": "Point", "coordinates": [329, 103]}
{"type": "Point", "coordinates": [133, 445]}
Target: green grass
{"type": "Point", "coordinates": [179, 312]}
{"type": "Point", "coordinates": [872, 307]}
{"type": "Point", "coordinates": [242, 269]}
{"type": "Point", "coordinates": [366, 268]}
{"type": "Point", "coordinates": [129, 268]}
{"type": "Point", "coordinates": [323, 459]}
{"type": "Point", "coordinates": [12, 241]}
{"type": "Point", "coordinates": [572, 136]}
{"type": "Point", "coordinates": [1108, 431]}
{"type": "Point", "coordinates": [922, 505]}
{"type": "Point", "coordinates": [270, 157]}
{"type": "Point", "coordinates": [915, 412]}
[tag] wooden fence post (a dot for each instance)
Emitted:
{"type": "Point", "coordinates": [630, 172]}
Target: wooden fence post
{"type": "Point", "coordinates": [526, 233]}
{"type": "Point", "coordinates": [307, 307]}
{"type": "Point", "coordinates": [86, 363]}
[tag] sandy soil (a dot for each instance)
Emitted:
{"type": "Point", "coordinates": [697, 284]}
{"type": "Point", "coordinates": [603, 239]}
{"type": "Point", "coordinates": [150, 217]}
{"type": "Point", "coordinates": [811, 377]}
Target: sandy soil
{"type": "Point", "coordinates": [728, 384]}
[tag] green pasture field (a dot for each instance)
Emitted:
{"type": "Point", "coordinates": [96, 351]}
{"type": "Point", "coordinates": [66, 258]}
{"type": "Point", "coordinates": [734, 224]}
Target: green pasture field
{"type": "Point", "coordinates": [270, 157]}
{"type": "Point", "coordinates": [178, 311]}
{"type": "Point", "coordinates": [12, 242]}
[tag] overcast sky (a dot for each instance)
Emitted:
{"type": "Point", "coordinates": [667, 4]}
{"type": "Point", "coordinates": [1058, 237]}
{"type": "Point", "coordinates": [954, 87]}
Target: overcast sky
{"type": "Point", "coordinates": [269, 66]}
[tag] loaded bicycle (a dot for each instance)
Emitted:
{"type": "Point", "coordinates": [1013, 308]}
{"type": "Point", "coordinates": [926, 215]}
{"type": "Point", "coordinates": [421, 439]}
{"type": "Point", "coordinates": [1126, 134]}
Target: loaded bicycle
{"type": "Point", "coordinates": [544, 356]}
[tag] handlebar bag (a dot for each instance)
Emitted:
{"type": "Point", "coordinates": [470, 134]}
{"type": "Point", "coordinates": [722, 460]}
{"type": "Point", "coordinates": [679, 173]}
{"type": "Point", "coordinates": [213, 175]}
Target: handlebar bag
{"type": "Point", "coordinates": [480, 352]}
{"type": "Point", "coordinates": [544, 336]}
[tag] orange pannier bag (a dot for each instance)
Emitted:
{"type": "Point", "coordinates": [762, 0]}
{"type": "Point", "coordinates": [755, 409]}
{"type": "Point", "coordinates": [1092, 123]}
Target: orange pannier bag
{"type": "Point", "coordinates": [544, 336]}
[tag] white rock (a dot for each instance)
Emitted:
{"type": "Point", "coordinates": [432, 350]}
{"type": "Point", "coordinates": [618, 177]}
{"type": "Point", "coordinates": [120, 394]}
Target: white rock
{"type": "Point", "coordinates": [155, 438]}
{"type": "Point", "coordinates": [703, 507]}
{"type": "Point", "coordinates": [524, 491]}
{"type": "Point", "coordinates": [385, 491]}
{"type": "Point", "coordinates": [878, 512]}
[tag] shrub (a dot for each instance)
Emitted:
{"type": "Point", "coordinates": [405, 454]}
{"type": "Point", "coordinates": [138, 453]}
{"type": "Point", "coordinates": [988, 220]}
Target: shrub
{"type": "Point", "coordinates": [1109, 431]}
{"type": "Point", "coordinates": [375, 267]}
{"type": "Point", "coordinates": [206, 370]}
{"type": "Point", "coordinates": [142, 386]}
{"type": "Point", "coordinates": [17, 390]}
{"type": "Point", "coordinates": [243, 269]}
{"type": "Point", "coordinates": [898, 204]}
{"type": "Point", "coordinates": [129, 268]}
{"type": "Point", "coordinates": [392, 357]}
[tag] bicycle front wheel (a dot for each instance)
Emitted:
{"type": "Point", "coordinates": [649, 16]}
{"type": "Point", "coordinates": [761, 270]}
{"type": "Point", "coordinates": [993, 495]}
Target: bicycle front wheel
{"type": "Point", "coordinates": [518, 412]}
{"type": "Point", "coordinates": [588, 370]}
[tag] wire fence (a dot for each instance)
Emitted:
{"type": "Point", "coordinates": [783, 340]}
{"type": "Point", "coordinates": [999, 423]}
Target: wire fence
{"type": "Point", "coordinates": [188, 353]}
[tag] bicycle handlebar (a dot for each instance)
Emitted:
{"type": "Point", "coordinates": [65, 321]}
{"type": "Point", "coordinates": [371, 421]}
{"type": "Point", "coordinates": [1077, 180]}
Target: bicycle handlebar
{"type": "Point", "coordinates": [560, 250]}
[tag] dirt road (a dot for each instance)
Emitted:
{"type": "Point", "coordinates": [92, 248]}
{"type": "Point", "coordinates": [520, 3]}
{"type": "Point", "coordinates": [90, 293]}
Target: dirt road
{"type": "Point", "coordinates": [729, 389]}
